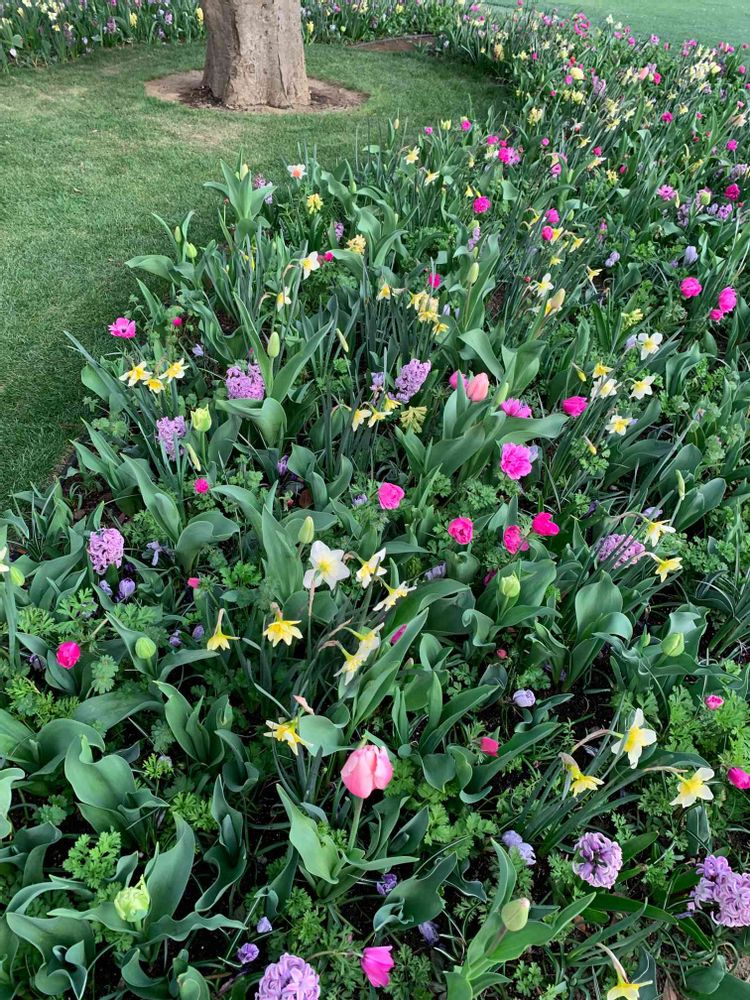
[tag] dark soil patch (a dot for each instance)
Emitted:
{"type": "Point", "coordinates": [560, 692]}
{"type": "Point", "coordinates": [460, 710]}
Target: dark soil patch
{"type": "Point", "coordinates": [407, 43]}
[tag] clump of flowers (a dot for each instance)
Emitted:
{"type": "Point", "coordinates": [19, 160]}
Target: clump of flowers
{"type": "Point", "coordinates": [106, 548]}
{"type": "Point", "coordinates": [628, 549]}
{"type": "Point", "coordinates": [245, 384]}
{"type": "Point", "coordinates": [601, 860]}
{"type": "Point", "coordinates": [725, 891]}
{"type": "Point", "coordinates": [168, 432]}
{"type": "Point", "coordinates": [290, 977]}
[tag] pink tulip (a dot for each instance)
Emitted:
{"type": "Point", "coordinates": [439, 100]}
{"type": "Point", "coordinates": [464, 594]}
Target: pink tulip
{"type": "Point", "coordinates": [434, 280]}
{"type": "Point", "coordinates": [462, 529]}
{"type": "Point", "coordinates": [544, 525]}
{"type": "Point", "coordinates": [397, 634]}
{"type": "Point", "coordinates": [68, 654]}
{"type": "Point", "coordinates": [716, 315]}
{"type": "Point", "coordinates": [390, 496]}
{"type": "Point", "coordinates": [513, 540]}
{"type": "Point", "coordinates": [201, 486]}
{"type": "Point", "coordinates": [713, 701]}
{"type": "Point", "coordinates": [193, 582]}
{"type": "Point", "coordinates": [732, 192]}
{"type": "Point", "coordinates": [482, 205]}
{"type": "Point", "coordinates": [489, 746]}
{"type": "Point", "coordinates": [727, 299]}
{"type": "Point", "coordinates": [515, 408]}
{"type": "Point", "coordinates": [478, 387]}
{"type": "Point", "coordinates": [515, 461]}
{"type": "Point", "coordinates": [453, 380]}
{"type": "Point", "coordinates": [552, 216]}
{"type": "Point", "coordinates": [731, 145]}
{"type": "Point", "coordinates": [377, 963]}
{"type": "Point", "coordinates": [690, 287]}
{"type": "Point", "coordinates": [574, 406]}
{"type": "Point", "coordinates": [547, 233]}
{"type": "Point", "coordinates": [739, 778]}
{"type": "Point", "coordinates": [177, 321]}
{"type": "Point", "coordinates": [366, 769]}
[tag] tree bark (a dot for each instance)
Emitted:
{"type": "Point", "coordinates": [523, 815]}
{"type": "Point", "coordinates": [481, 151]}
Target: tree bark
{"type": "Point", "coordinates": [255, 54]}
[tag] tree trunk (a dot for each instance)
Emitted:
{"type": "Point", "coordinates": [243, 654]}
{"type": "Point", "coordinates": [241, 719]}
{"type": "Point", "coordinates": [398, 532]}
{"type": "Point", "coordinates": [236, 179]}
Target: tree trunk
{"type": "Point", "coordinates": [255, 53]}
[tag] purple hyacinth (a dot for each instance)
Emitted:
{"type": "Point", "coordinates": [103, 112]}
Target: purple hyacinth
{"type": "Point", "coordinates": [245, 385]}
{"type": "Point", "coordinates": [411, 379]}
{"type": "Point", "coordinates": [169, 432]}
{"type": "Point", "coordinates": [387, 883]}
{"type": "Point", "coordinates": [247, 953]}
{"type": "Point", "coordinates": [291, 978]}
{"type": "Point", "coordinates": [724, 889]}
{"type": "Point", "coordinates": [338, 228]}
{"type": "Point", "coordinates": [429, 932]}
{"type": "Point", "coordinates": [601, 860]}
{"type": "Point", "coordinates": [106, 548]}
{"type": "Point", "coordinates": [627, 549]}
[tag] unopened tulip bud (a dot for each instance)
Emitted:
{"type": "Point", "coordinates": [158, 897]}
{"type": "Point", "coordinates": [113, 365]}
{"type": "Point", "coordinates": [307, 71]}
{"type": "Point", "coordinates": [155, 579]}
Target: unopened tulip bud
{"type": "Point", "coordinates": [680, 485]}
{"type": "Point", "coordinates": [674, 644]}
{"type": "Point", "coordinates": [343, 341]}
{"type": "Point", "coordinates": [191, 251]}
{"type": "Point", "coordinates": [16, 577]}
{"type": "Point", "coordinates": [244, 171]}
{"type": "Point", "coordinates": [510, 586]}
{"type": "Point", "coordinates": [473, 274]}
{"type": "Point", "coordinates": [177, 235]}
{"type": "Point", "coordinates": [274, 345]}
{"type": "Point", "coordinates": [145, 648]}
{"type": "Point", "coordinates": [515, 914]}
{"type": "Point", "coordinates": [306, 531]}
{"type": "Point", "coordinates": [201, 419]}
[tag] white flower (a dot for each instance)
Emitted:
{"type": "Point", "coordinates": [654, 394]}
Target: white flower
{"type": "Point", "coordinates": [297, 170]}
{"type": "Point", "coordinates": [649, 343]}
{"type": "Point", "coordinates": [636, 738]}
{"type": "Point", "coordinates": [642, 387]}
{"type": "Point", "coordinates": [371, 568]}
{"type": "Point", "coordinates": [5, 568]}
{"type": "Point", "coordinates": [393, 596]}
{"type": "Point", "coordinates": [327, 566]}
{"type": "Point", "coordinates": [618, 424]}
{"type": "Point", "coordinates": [689, 790]}
{"type": "Point", "coordinates": [309, 264]}
{"type": "Point", "coordinates": [603, 388]}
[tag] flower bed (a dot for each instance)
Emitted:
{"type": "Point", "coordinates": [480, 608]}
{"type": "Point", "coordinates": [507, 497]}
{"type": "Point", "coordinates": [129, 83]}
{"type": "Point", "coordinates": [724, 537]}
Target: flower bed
{"type": "Point", "coordinates": [389, 632]}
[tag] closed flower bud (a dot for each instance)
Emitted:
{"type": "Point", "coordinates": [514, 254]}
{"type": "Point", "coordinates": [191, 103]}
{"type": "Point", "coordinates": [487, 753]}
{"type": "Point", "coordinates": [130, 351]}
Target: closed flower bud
{"type": "Point", "coordinates": [145, 648]}
{"type": "Point", "coordinates": [177, 235]}
{"type": "Point", "coordinates": [306, 531]}
{"type": "Point", "coordinates": [16, 577]}
{"type": "Point", "coordinates": [473, 274]}
{"type": "Point", "coordinates": [680, 485]}
{"type": "Point", "coordinates": [510, 586]}
{"type": "Point", "coordinates": [132, 903]}
{"type": "Point", "coordinates": [201, 419]}
{"type": "Point", "coordinates": [515, 914]}
{"type": "Point", "coordinates": [274, 345]}
{"type": "Point", "coordinates": [674, 644]}
{"type": "Point", "coordinates": [191, 251]}
{"type": "Point", "coordinates": [343, 341]}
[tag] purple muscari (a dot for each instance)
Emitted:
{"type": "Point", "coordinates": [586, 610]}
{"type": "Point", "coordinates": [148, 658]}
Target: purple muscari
{"type": "Point", "coordinates": [106, 548]}
{"type": "Point", "coordinates": [524, 698]}
{"type": "Point", "coordinates": [601, 860]}
{"type": "Point", "coordinates": [198, 633]}
{"type": "Point", "coordinates": [436, 572]}
{"type": "Point", "coordinates": [245, 385]}
{"type": "Point", "coordinates": [169, 432]}
{"type": "Point", "coordinates": [338, 228]}
{"type": "Point", "coordinates": [175, 640]}
{"type": "Point", "coordinates": [726, 890]}
{"type": "Point", "coordinates": [411, 379]}
{"type": "Point", "coordinates": [264, 926]}
{"type": "Point", "coordinates": [387, 883]}
{"type": "Point", "coordinates": [429, 932]}
{"type": "Point", "coordinates": [125, 589]}
{"type": "Point", "coordinates": [627, 548]}
{"type": "Point", "coordinates": [291, 978]}
{"type": "Point", "coordinates": [247, 953]}
{"type": "Point", "coordinates": [378, 380]}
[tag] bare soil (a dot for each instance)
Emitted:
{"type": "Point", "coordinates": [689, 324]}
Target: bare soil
{"type": "Point", "coordinates": [406, 43]}
{"type": "Point", "coordinates": [187, 88]}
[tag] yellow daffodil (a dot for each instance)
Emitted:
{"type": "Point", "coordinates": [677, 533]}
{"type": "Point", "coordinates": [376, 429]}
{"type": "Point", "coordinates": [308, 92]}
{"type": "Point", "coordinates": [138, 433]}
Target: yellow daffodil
{"type": "Point", "coordinates": [155, 385]}
{"type": "Point", "coordinates": [137, 373]}
{"type": "Point", "coordinates": [218, 640]}
{"type": "Point", "coordinates": [351, 665]}
{"type": "Point", "coordinates": [359, 418]}
{"type": "Point", "coordinates": [579, 782]}
{"type": "Point", "coordinates": [413, 155]}
{"type": "Point", "coordinates": [635, 739]}
{"type": "Point", "coordinates": [286, 731]}
{"type": "Point", "coordinates": [618, 424]}
{"type": "Point", "coordinates": [393, 596]}
{"type": "Point", "coordinates": [655, 529]}
{"type": "Point", "coordinates": [385, 291]}
{"type": "Point", "coordinates": [593, 272]}
{"type": "Point", "coordinates": [390, 404]}
{"type": "Point", "coordinates": [282, 630]}
{"type": "Point", "coordinates": [666, 566]}
{"type": "Point", "coordinates": [600, 370]}
{"type": "Point", "coordinates": [430, 176]}
{"type": "Point", "coordinates": [376, 416]}
{"type": "Point", "coordinates": [370, 569]}
{"type": "Point", "coordinates": [689, 790]}
{"type": "Point", "coordinates": [282, 299]}
{"type": "Point", "coordinates": [642, 387]}
{"type": "Point", "coordinates": [175, 370]}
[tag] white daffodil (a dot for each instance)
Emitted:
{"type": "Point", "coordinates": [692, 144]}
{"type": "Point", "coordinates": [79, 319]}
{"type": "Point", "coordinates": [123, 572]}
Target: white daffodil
{"type": "Point", "coordinates": [370, 569]}
{"type": "Point", "coordinates": [327, 566]}
{"type": "Point", "coordinates": [635, 739]}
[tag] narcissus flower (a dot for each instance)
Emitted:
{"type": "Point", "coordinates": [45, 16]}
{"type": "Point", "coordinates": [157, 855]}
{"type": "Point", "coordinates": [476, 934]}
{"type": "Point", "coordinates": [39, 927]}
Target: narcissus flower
{"type": "Point", "coordinates": [309, 264]}
{"type": "Point", "coordinates": [625, 990]}
{"type": "Point", "coordinates": [655, 529]}
{"type": "Point", "coordinates": [635, 739]}
{"type": "Point", "coordinates": [666, 566]}
{"type": "Point", "coordinates": [649, 343]}
{"type": "Point", "coordinates": [393, 596]}
{"type": "Point", "coordinates": [297, 170]}
{"type": "Point", "coordinates": [370, 568]}
{"type": "Point", "coordinates": [579, 782]}
{"type": "Point", "coordinates": [286, 731]}
{"type": "Point", "coordinates": [689, 790]}
{"type": "Point", "coordinates": [327, 566]}
{"type": "Point", "coordinates": [618, 424]}
{"type": "Point", "coordinates": [282, 630]}
{"type": "Point", "coordinates": [219, 640]}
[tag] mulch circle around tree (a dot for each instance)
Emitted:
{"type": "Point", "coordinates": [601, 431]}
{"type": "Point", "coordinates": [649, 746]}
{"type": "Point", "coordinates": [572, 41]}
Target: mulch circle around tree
{"type": "Point", "coordinates": [187, 88]}
{"type": "Point", "coordinates": [406, 43]}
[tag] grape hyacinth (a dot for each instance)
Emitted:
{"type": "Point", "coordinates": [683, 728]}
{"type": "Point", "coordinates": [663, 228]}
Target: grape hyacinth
{"type": "Point", "coordinates": [411, 379]}
{"type": "Point", "coordinates": [245, 385]}
{"type": "Point", "coordinates": [726, 890]}
{"type": "Point", "coordinates": [601, 860]}
{"type": "Point", "coordinates": [106, 548]}
{"type": "Point", "coordinates": [628, 549]}
{"type": "Point", "coordinates": [291, 978]}
{"type": "Point", "coordinates": [169, 432]}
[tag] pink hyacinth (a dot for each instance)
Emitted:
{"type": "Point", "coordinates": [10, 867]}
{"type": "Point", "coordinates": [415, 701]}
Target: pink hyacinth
{"type": "Point", "coordinates": [390, 496]}
{"type": "Point", "coordinates": [690, 287]}
{"type": "Point", "coordinates": [482, 204]}
{"type": "Point", "coordinates": [513, 540]}
{"type": "Point", "coordinates": [544, 525]}
{"type": "Point", "coordinates": [123, 328]}
{"type": "Point", "coordinates": [366, 769]}
{"type": "Point", "coordinates": [515, 461]}
{"type": "Point", "coordinates": [377, 963]}
{"type": "Point", "coordinates": [574, 406]}
{"type": "Point", "coordinates": [68, 654]}
{"type": "Point", "coordinates": [461, 529]}
{"type": "Point", "coordinates": [106, 548]}
{"type": "Point", "coordinates": [515, 408]}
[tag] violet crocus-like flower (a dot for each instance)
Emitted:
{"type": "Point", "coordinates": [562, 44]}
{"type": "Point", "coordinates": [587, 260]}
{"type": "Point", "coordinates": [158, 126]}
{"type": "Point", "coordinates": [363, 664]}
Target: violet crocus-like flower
{"type": "Point", "coordinates": [264, 926]}
{"type": "Point", "coordinates": [291, 978]}
{"type": "Point", "coordinates": [198, 633]}
{"type": "Point", "coordinates": [524, 698]}
{"type": "Point", "coordinates": [245, 384]}
{"type": "Point", "coordinates": [168, 432]}
{"type": "Point", "coordinates": [125, 589]}
{"type": "Point", "coordinates": [515, 842]}
{"type": "Point", "coordinates": [247, 953]}
{"type": "Point", "coordinates": [106, 548]}
{"type": "Point", "coordinates": [411, 379]}
{"type": "Point", "coordinates": [601, 860]}
{"type": "Point", "coordinates": [154, 551]}
{"type": "Point", "coordinates": [387, 883]}
{"type": "Point", "coordinates": [436, 572]}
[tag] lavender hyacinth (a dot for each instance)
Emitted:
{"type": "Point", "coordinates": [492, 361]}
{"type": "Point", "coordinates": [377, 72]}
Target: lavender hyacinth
{"type": "Point", "coordinates": [627, 548]}
{"type": "Point", "coordinates": [291, 978]}
{"type": "Point", "coordinates": [106, 548]}
{"type": "Point", "coordinates": [245, 385]}
{"type": "Point", "coordinates": [726, 890]}
{"type": "Point", "coordinates": [247, 953]}
{"type": "Point", "coordinates": [411, 379]}
{"type": "Point", "coordinates": [169, 432]}
{"type": "Point", "coordinates": [601, 860]}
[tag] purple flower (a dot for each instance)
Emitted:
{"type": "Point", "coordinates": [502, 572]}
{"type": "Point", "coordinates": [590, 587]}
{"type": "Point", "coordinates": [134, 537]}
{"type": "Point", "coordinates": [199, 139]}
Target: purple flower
{"type": "Point", "coordinates": [175, 640]}
{"type": "Point", "coordinates": [169, 432]}
{"type": "Point", "coordinates": [264, 926]}
{"type": "Point", "coordinates": [429, 932]}
{"type": "Point", "coordinates": [527, 854]}
{"type": "Point", "coordinates": [198, 633]}
{"type": "Point", "coordinates": [724, 889]}
{"type": "Point", "coordinates": [247, 953]}
{"type": "Point", "coordinates": [690, 255]}
{"type": "Point", "coordinates": [198, 351]}
{"type": "Point", "coordinates": [338, 228]}
{"type": "Point", "coordinates": [411, 379]}
{"type": "Point", "coordinates": [511, 839]}
{"type": "Point", "coordinates": [524, 698]}
{"type": "Point", "coordinates": [282, 465]}
{"type": "Point", "coordinates": [436, 572]}
{"type": "Point", "coordinates": [514, 841]}
{"type": "Point", "coordinates": [601, 860]}
{"type": "Point", "coordinates": [125, 589]}
{"type": "Point", "coordinates": [245, 385]}
{"type": "Point", "coordinates": [103, 585]}
{"type": "Point", "coordinates": [156, 551]}
{"type": "Point", "coordinates": [359, 500]}
{"type": "Point", "coordinates": [106, 548]}
{"type": "Point", "coordinates": [387, 883]}
{"type": "Point", "coordinates": [627, 549]}
{"type": "Point", "coordinates": [612, 259]}
{"type": "Point", "coordinates": [291, 978]}
{"type": "Point", "coordinates": [378, 380]}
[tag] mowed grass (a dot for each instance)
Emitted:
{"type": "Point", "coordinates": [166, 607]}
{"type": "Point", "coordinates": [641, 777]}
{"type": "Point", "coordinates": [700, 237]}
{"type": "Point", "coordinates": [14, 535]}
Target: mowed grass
{"type": "Point", "coordinates": [86, 158]}
{"type": "Point", "coordinates": [710, 21]}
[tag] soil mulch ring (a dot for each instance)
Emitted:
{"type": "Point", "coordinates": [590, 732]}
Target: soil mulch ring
{"type": "Point", "coordinates": [406, 43]}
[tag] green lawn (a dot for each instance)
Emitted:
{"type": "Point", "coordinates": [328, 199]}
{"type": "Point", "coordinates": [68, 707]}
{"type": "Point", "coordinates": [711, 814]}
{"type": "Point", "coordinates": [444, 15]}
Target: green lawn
{"type": "Point", "coordinates": [709, 21]}
{"type": "Point", "coordinates": [86, 158]}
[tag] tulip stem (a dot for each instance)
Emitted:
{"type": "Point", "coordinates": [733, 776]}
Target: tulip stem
{"type": "Point", "coordinates": [355, 821]}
